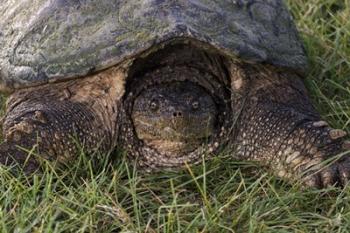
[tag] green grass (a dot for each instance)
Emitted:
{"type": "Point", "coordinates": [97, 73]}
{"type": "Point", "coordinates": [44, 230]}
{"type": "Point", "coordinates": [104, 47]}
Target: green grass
{"type": "Point", "coordinates": [222, 195]}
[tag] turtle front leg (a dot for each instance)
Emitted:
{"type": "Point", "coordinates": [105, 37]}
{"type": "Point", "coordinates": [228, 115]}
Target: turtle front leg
{"type": "Point", "coordinates": [280, 128]}
{"type": "Point", "coordinates": [56, 119]}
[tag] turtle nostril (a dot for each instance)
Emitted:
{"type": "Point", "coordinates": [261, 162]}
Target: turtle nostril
{"type": "Point", "coordinates": [177, 114]}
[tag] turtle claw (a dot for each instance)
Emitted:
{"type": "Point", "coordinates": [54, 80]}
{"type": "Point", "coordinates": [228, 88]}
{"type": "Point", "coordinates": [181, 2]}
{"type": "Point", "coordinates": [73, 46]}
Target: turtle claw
{"type": "Point", "coordinates": [337, 133]}
{"type": "Point", "coordinates": [312, 181]}
{"type": "Point", "coordinates": [329, 177]}
{"type": "Point", "coordinates": [346, 145]}
{"type": "Point", "coordinates": [336, 174]}
{"type": "Point", "coordinates": [320, 124]}
{"type": "Point", "coordinates": [320, 177]}
{"type": "Point", "coordinates": [344, 171]}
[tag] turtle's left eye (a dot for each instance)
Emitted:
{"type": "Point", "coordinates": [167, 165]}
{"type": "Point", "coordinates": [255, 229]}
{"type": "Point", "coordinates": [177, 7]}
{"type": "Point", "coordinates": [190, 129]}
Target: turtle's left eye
{"type": "Point", "coordinates": [154, 105]}
{"type": "Point", "coordinates": [195, 105]}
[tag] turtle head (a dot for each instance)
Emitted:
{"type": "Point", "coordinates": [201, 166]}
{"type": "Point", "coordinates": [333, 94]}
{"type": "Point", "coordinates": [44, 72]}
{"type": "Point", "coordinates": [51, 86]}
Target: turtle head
{"type": "Point", "coordinates": [174, 117]}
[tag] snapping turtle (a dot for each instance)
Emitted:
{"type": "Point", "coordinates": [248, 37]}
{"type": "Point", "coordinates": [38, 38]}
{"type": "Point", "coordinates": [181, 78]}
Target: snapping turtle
{"type": "Point", "coordinates": [168, 81]}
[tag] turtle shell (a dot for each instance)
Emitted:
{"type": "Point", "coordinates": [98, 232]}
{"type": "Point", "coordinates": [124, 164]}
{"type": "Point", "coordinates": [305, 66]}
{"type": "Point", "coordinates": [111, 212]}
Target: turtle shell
{"type": "Point", "coordinates": [49, 40]}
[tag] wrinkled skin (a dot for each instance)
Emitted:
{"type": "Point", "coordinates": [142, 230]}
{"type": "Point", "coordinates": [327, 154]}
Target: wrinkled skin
{"type": "Point", "coordinates": [267, 117]}
{"type": "Point", "coordinates": [175, 117]}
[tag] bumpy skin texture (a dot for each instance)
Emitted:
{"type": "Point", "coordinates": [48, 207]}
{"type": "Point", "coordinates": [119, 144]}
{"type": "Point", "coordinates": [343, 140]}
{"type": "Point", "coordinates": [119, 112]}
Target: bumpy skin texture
{"type": "Point", "coordinates": [265, 115]}
{"type": "Point", "coordinates": [47, 40]}
{"type": "Point", "coordinates": [57, 120]}
{"type": "Point", "coordinates": [189, 64]}
{"type": "Point", "coordinates": [280, 128]}
{"type": "Point", "coordinates": [176, 117]}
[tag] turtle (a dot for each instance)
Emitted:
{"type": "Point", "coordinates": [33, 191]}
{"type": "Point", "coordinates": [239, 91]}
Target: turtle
{"type": "Point", "coordinates": [169, 82]}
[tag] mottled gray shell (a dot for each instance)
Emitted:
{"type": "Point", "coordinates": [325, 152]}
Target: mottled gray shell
{"type": "Point", "coordinates": [48, 40]}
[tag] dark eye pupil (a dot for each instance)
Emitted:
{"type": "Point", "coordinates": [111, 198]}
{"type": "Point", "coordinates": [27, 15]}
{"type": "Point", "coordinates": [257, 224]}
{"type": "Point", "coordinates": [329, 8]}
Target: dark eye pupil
{"type": "Point", "coordinates": [195, 105]}
{"type": "Point", "coordinates": [153, 105]}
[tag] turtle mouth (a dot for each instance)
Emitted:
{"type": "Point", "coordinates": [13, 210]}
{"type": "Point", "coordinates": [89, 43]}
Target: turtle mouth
{"type": "Point", "coordinates": [169, 140]}
{"type": "Point", "coordinates": [174, 147]}
{"type": "Point", "coordinates": [160, 127]}
{"type": "Point", "coordinates": [148, 132]}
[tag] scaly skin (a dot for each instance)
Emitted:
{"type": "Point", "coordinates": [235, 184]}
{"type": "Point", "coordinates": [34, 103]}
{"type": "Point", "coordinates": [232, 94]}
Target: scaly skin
{"type": "Point", "coordinates": [266, 116]}
{"type": "Point", "coordinates": [160, 73]}
{"type": "Point", "coordinates": [55, 127]}
{"type": "Point", "coordinates": [280, 128]}
{"type": "Point", "coordinates": [175, 117]}
{"type": "Point", "coordinates": [57, 119]}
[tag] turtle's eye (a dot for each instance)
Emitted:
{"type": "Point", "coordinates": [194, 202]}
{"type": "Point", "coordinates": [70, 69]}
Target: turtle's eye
{"type": "Point", "coordinates": [195, 105]}
{"type": "Point", "coordinates": [154, 105]}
